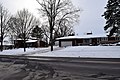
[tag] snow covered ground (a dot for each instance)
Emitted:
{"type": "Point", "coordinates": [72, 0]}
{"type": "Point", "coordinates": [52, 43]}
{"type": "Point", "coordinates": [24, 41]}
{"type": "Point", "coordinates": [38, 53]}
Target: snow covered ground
{"type": "Point", "coordinates": [78, 51]}
{"type": "Point", "coordinates": [85, 51]}
{"type": "Point", "coordinates": [20, 51]}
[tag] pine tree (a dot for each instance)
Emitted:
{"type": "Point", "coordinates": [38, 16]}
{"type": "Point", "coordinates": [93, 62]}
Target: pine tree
{"type": "Point", "coordinates": [112, 16]}
{"type": "Point", "coordinates": [37, 32]}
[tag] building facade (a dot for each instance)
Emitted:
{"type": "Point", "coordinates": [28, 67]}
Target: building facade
{"type": "Point", "coordinates": [86, 40]}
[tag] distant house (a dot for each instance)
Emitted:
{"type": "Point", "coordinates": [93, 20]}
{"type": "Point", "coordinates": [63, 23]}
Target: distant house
{"type": "Point", "coordinates": [7, 43]}
{"type": "Point", "coordinates": [31, 43]}
{"type": "Point", "coordinates": [19, 43]}
{"type": "Point", "coordinates": [36, 43]}
{"type": "Point", "coordinates": [86, 40]}
{"type": "Point", "coordinates": [111, 40]}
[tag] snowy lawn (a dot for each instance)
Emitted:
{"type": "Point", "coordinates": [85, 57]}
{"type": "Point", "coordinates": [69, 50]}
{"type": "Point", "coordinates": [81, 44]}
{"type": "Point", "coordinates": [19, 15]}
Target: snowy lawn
{"type": "Point", "coordinates": [85, 51]}
{"type": "Point", "coordinates": [20, 51]}
{"type": "Point", "coordinates": [78, 51]}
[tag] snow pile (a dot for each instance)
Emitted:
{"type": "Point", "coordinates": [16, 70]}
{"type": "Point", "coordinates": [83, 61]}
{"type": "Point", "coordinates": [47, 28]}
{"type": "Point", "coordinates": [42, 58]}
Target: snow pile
{"type": "Point", "coordinates": [85, 51]}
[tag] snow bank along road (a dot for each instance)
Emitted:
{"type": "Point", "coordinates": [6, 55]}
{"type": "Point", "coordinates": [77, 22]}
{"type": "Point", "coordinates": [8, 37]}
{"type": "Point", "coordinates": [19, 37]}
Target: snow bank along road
{"type": "Point", "coordinates": [85, 51]}
{"type": "Point", "coordinates": [76, 51]}
{"type": "Point", "coordinates": [58, 68]}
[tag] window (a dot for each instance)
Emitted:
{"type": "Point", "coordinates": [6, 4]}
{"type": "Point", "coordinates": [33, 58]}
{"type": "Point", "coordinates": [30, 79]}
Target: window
{"type": "Point", "coordinates": [86, 40]}
{"type": "Point", "coordinates": [104, 39]}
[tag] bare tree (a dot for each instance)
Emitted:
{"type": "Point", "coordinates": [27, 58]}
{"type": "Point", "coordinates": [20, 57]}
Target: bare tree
{"type": "Point", "coordinates": [57, 12]}
{"type": "Point", "coordinates": [22, 24]}
{"type": "Point", "coordinates": [4, 17]}
{"type": "Point", "coordinates": [46, 32]}
{"type": "Point", "coordinates": [14, 26]}
{"type": "Point", "coordinates": [64, 28]}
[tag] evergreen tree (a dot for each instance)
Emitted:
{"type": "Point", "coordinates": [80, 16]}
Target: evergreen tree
{"type": "Point", "coordinates": [112, 16]}
{"type": "Point", "coordinates": [37, 32]}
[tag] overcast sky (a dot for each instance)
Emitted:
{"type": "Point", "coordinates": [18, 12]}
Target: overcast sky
{"type": "Point", "coordinates": [90, 17]}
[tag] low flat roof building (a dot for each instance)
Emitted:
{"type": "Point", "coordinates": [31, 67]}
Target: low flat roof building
{"type": "Point", "coordinates": [85, 40]}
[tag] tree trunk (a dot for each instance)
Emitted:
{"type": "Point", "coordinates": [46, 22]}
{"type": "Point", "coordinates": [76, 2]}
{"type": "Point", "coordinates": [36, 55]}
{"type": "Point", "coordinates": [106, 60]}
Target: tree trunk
{"type": "Point", "coordinates": [51, 39]}
{"type": "Point", "coordinates": [38, 42]}
{"type": "Point", "coordinates": [1, 42]}
{"type": "Point", "coordinates": [1, 31]}
{"type": "Point", "coordinates": [51, 42]}
{"type": "Point", "coordinates": [24, 42]}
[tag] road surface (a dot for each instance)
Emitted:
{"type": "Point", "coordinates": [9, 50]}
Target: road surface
{"type": "Point", "coordinates": [41, 68]}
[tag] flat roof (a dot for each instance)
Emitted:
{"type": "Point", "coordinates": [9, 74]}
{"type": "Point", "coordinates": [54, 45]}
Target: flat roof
{"type": "Point", "coordinates": [31, 41]}
{"type": "Point", "coordinates": [81, 37]}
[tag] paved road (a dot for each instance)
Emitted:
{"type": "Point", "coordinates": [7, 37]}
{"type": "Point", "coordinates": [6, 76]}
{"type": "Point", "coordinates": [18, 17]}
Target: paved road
{"type": "Point", "coordinates": [65, 69]}
{"type": "Point", "coordinates": [108, 69]}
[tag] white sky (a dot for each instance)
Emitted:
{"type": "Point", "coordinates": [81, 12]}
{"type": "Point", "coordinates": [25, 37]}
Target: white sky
{"type": "Point", "coordinates": [90, 17]}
